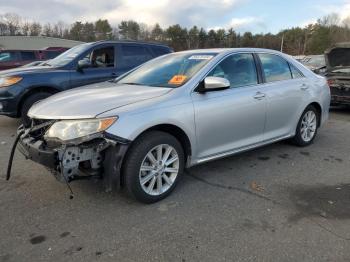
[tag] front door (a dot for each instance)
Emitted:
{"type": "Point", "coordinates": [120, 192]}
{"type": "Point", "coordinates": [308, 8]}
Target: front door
{"type": "Point", "coordinates": [103, 67]}
{"type": "Point", "coordinates": [234, 118]}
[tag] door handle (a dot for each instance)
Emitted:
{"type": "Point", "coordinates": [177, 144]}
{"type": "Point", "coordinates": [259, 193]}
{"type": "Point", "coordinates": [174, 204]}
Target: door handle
{"type": "Point", "coordinates": [304, 87]}
{"type": "Point", "coordinates": [114, 74]}
{"type": "Point", "coordinates": [259, 96]}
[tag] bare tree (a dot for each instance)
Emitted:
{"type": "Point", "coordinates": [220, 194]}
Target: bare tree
{"type": "Point", "coordinates": [346, 22]}
{"type": "Point", "coordinates": [13, 22]}
{"type": "Point", "coordinates": [35, 29]}
{"type": "Point", "coordinates": [47, 30]}
{"type": "Point", "coordinates": [25, 27]}
{"type": "Point", "coordinates": [3, 28]}
{"type": "Point", "coordinates": [329, 20]}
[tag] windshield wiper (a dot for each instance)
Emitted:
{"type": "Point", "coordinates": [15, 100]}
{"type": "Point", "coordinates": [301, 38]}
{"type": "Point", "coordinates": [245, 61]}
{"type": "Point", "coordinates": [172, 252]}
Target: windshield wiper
{"type": "Point", "coordinates": [136, 84]}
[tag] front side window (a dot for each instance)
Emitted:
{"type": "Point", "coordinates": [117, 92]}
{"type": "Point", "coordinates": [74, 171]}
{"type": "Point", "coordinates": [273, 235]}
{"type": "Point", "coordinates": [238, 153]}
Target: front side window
{"type": "Point", "coordinates": [28, 56]}
{"type": "Point", "coordinates": [134, 55]}
{"type": "Point", "coordinates": [171, 70]}
{"type": "Point", "coordinates": [239, 69]}
{"type": "Point", "coordinates": [101, 57]}
{"type": "Point", "coordinates": [275, 68]}
{"type": "Point", "coordinates": [8, 56]}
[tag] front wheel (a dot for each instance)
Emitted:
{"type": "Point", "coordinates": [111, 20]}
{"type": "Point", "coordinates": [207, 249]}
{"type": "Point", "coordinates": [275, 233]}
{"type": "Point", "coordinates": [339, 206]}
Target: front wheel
{"type": "Point", "coordinates": [153, 166]}
{"type": "Point", "coordinates": [307, 127]}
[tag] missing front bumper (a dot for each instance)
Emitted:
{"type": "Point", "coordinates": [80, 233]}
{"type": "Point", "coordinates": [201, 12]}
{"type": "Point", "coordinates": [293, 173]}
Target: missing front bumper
{"type": "Point", "coordinates": [101, 157]}
{"type": "Point", "coordinates": [66, 162]}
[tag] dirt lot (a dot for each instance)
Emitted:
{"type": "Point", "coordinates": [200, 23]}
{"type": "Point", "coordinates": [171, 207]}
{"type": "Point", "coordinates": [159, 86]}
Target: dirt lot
{"type": "Point", "coordinates": [277, 203]}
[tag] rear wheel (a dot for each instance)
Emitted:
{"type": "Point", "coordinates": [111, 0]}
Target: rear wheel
{"type": "Point", "coordinates": [27, 104]}
{"type": "Point", "coordinates": [153, 166]}
{"type": "Point", "coordinates": [307, 127]}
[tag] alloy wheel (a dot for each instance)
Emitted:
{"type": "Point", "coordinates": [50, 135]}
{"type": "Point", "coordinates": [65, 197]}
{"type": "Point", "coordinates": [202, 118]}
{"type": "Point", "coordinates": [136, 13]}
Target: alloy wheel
{"type": "Point", "coordinates": [308, 126]}
{"type": "Point", "coordinates": [159, 169]}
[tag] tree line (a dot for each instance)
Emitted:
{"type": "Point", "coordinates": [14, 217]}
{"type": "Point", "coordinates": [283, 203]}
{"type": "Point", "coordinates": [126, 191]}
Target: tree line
{"type": "Point", "coordinates": [314, 38]}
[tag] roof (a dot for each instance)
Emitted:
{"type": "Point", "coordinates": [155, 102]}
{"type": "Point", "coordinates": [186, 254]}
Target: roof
{"type": "Point", "coordinates": [229, 50]}
{"type": "Point", "coordinates": [34, 42]}
{"type": "Point", "coordinates": [129, 42]}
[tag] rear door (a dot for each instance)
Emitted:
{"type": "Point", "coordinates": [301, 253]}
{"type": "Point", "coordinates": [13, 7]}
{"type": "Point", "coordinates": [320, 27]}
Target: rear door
{"type": "Point", "coordinates": [234, 118]}
{"type": "Point", "coordinates": [131, 55]}
{"type": "Point", "coordinates": [285, 88]}
{"type": "Point", "coordinates": [103, 66]}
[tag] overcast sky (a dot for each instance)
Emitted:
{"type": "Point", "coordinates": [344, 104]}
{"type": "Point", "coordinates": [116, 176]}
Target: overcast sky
{"type": "Point", "coordinates": [243, 15]}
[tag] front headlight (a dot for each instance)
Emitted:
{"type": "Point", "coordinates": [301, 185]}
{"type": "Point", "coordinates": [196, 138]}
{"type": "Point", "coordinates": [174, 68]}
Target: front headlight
{"type": "Point", "coordinates": [72, 129]}
{"type": "Point", "coordinates": [9, 80]}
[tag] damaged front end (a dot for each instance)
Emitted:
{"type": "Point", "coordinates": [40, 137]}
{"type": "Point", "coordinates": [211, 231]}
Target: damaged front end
{"type": "Point", "coordinates": [98, 155]}
{"type": "Point", "coordinates": [338, 73]}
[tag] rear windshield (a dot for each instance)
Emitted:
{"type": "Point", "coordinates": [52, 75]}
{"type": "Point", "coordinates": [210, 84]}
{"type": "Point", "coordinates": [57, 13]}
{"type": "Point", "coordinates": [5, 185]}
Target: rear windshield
{"type": "Point", "coordinates": [172, 70]}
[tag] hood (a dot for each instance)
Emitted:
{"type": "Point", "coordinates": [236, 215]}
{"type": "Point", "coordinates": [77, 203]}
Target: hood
{"type": "Point", "coordinates": [92, 100]}
{"type": "Point", "coordinates": [25, 70]}
{"type": "Point", "coordinates": [338, 56]}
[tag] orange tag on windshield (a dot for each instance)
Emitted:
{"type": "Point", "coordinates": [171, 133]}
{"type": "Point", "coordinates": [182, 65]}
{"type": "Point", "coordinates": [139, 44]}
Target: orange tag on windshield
{"type": "Point", "coordinates": [177, 79]}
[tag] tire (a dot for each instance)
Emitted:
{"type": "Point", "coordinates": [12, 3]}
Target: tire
{"type": "Point", "coordinates": [307, 137]}
{"type": "Point", "coordinates": [138, 155]}
{"type": "Point", "coordinates": [27, 104]}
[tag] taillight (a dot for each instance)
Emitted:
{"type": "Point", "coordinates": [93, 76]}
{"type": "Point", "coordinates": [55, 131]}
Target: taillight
{"type": "Point", "coordinates": [330, 82]}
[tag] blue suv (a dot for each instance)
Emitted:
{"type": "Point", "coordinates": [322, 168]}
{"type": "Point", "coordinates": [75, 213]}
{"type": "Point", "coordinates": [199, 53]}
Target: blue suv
{"type": "Point", "coordinates": [81, 65]}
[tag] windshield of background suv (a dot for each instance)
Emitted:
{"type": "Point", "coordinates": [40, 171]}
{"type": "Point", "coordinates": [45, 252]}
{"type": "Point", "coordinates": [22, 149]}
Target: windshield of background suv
{"type": "Point", "coordinates": [68, 56]}
{"type": "Point", "coordinates": [171, 70]}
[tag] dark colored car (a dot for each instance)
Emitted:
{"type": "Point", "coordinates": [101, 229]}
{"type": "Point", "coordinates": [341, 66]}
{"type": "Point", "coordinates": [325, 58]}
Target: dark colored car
{"type": "Point", "coordinates": [15, 58]}
{"type": "Point", "coordinates": [81, 65]}
{"type": "Point", "coordinates": [338, 73]}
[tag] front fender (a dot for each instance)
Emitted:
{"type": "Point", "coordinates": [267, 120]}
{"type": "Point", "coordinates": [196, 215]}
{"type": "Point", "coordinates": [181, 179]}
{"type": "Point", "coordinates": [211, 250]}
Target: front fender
{"type": "Point", "coordinates": [130, 126]}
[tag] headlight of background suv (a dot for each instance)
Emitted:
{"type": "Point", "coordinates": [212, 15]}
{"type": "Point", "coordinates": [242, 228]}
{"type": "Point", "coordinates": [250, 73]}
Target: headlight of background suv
{"type": "Point", "coordinates": [72, 129]}
{"type": "Point", "coordinates": [9, 80]}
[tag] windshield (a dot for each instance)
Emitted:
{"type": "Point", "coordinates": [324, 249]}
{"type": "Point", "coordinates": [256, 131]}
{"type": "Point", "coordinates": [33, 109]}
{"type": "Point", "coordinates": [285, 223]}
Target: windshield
{"type": "Point", "coordinates": [68, 56]}
{"type": "Point", "coordinates": [171, 70]}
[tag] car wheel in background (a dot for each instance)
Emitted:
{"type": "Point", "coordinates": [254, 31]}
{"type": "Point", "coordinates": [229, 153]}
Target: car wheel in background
{"type": "Point", "coordinates": [307, 127]}
{"type": "Point", "coordinates": [153, 166]}
{"type": "Point", "coordinates": [27, 104]}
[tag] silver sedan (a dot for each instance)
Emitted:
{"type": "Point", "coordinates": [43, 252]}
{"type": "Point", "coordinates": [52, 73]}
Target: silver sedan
{"type": "Point", "coordinates": [141, 130]}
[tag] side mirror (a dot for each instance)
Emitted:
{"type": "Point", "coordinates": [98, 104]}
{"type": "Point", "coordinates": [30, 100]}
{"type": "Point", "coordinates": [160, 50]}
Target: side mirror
{"type": "Point", "coordinates": [212, 83]}
{"type": "Point", "coordinates": [84, 63]}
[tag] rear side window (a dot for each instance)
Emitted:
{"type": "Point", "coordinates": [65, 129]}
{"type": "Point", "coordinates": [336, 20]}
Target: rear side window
{"type": "Point", "coordinates": [8, 57]}
{"type": "Point", "coordinates": [27, 56]}
{"type": "Point", "coordinates": [275, 68]}
{"type": "Point", "coordinates": [158, 50]}
{"type": "Point", "coordinates": [295, 72]}
{"type": "Point", "coordinates": [239, 69]}
{"type": "Point", "coordinates": [134, 55]}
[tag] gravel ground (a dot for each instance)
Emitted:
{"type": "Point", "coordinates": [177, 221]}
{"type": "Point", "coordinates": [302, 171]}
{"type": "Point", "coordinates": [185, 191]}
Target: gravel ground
{"type": "Point", "coordinates": [276, 203]}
